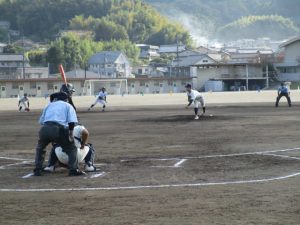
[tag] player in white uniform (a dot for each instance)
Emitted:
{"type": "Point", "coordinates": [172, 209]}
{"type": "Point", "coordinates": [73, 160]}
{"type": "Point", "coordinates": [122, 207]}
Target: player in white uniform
{"type": "Point", "coordinates": [24, 101]}
{"type": "Point", "coordinates": [85, 151]}
{"type": "Point", "coordinates": [196, 98]}
{"type": "Point", "coordinates": [101, 99]}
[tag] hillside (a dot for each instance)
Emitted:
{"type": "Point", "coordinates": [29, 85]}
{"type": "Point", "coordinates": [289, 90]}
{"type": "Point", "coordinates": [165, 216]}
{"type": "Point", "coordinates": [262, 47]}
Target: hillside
{"type": "Point", "coordinates": [107, 20]}
{"type": "Point", "coordinates": [209, 19]}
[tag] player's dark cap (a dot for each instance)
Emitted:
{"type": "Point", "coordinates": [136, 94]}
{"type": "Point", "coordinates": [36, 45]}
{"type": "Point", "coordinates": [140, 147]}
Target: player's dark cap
{"type": "Point", "coordinates": [57, 96]}
{"type": "Point", "coordinates": [188, 86]}
{"type": "Point", "coordinates": [68, 89]}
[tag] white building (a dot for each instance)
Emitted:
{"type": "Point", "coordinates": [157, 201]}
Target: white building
{"type": "Point", "coordinates": [289, 65]}
{"type": "Point", "coordinates": [110, 64]}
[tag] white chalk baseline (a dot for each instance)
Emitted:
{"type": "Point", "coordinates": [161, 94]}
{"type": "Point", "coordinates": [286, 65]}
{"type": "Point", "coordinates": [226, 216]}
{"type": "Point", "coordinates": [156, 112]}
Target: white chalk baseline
{"type": "Point", "coordinates": [181, 160]}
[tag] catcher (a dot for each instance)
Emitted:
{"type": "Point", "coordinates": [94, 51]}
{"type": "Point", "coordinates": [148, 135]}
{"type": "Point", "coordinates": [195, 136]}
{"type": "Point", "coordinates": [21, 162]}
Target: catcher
{"type": "Point", "coordinates": [85, 151]}
{"type": "Point", "coordinates": [24, 101]}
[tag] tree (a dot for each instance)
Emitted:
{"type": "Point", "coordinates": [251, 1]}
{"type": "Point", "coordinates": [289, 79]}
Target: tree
{"type": "Point", "coordinates": [108, 30]}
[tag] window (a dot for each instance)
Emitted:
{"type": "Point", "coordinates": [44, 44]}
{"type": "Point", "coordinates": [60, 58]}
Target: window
{"type": "Point", "coordinates": [39, 88]}
{"type": "Point", "coordinates": [21, 88]}
{"type": "Point", "coordinates": [50, 86]}
{"type": "Point", "coordinates": [142, 83]}
{"type": "Point", "coordinates": [205, 60]}
{"type": "Point", "coordinates": [55, 87]}
{"type": "Point", "coordinates": [156, 84]}
{"type": "Point", "coordinates": [2, 88]}
{"type": "Point", "coordinates": [161, 85]}
{"type": "Point", "coordinates": [140, 71]}
{"type": "Point", "coordinates": [132, 85]}
{"type": "Point", "coordinates": [33, 85]}
{"type": "Point", "coordinates": [15, 86]}
{"type": "Point", "coordinates": [113, 84]}
{"type": "Point", "coordinates": [170, 83]}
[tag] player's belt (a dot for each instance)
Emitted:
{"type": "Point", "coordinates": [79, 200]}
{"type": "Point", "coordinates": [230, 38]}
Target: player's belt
{"type": "Point", "coordinates": [52, 123]}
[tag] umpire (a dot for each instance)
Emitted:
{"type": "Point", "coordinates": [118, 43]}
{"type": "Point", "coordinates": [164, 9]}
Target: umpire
{"type": "Point", "coordinates": [283, 91]}
{"type": "Point", "coordinates": [58, 120]}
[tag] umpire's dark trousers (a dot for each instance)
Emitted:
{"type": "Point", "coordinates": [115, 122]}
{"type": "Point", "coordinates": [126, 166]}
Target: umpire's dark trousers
{"type": "Point", "coordinates": [54, 132]}
{"type": "Point", "coordinates": [285, 95]}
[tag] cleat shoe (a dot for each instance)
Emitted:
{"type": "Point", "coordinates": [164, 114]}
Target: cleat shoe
{"type": "Point", "coordinates": [196, 117]}
{"type": "Point", "coordinates": [88, 168]}
{"type": "Point", "coordinates": [49, 169]}
{"type": "Point", "coordinates": [76, 173]}
{"type": "Point", "coordinates": [37, 172]}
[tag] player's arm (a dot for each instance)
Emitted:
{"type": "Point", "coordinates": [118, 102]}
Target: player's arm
{"type": "Point", "coordinates": [84, 138]}
{"type": "Point", "coordinates": [190, 100]}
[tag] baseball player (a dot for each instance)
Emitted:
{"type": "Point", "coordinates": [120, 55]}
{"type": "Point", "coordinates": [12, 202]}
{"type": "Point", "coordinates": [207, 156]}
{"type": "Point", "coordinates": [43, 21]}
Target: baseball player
{"type": "Point", "coordinates": [24, 101]}
{"type": "Point", "coordinates": [101, 99]}
{"type": "Point", "coordinates": [58, 121]}
{"type": "Point", "coordinates": [85, 151]}
{"type": "Point", "coordinates": [196, 98]}
{"type": "Point", "coordinates": [69, 90]}
{"type": "Point", "coordinates": [283, 91]}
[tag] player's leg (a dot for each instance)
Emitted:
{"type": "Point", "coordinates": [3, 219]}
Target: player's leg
{"type": "Point", "coordinates": [89, 159]}
{"type": "Point", "coordinates": [196, 109]}
{"type": "Point", "coordinates": [288, 99]}
{"type": "Point", "coordinates": [103, 105]}
{"type": "Point", "coordinates": [278, 99]}
{"type": "Point", "coordinates": [52, 160]}
{"type": "Point", "coordinates": [92, 105]}
{"type": "Point", "coordinates": [202, 102]}
{"type": "Point", "coordinates": [40, 151]}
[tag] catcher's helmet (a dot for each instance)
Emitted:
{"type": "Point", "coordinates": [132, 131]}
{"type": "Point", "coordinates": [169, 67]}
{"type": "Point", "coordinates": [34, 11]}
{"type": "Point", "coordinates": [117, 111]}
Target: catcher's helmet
{"type": "Point", "coordinates": [68, 89]}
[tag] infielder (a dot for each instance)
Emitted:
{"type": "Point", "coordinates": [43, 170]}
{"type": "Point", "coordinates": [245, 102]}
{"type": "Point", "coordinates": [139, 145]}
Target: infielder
{"type": "Point", "coordinates": [196, 98]}
{"type": "Point", "coordinates": [101, 99]}
{"type": "Point", "coordinates": [24, 101]}
{"type": "Point", "coordinates": [85, 151]}
{"type": "Point", "coordinates": [283, 91]}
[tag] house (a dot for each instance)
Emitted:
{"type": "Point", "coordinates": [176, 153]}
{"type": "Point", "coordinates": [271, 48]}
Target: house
{"type": "Point", "coordinates": [148, 51]}
{"type": "Point", "coordinates": [110, 64]}
{"type": "Point", "coordinates": [2, 46]}
{"type": "Point", "coordinates": [15, 66]}
{"type": "Point", "coordinates": [171, 49]}
{"type": "Point", "coordinates": [289, 65]}
{"type": "Point", "coordinates": [4, 25]}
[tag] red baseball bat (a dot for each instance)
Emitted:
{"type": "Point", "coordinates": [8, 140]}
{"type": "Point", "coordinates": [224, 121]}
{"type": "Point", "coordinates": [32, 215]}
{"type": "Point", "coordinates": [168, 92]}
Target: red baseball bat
{"type": "Point", "coordinates": [62, 72]}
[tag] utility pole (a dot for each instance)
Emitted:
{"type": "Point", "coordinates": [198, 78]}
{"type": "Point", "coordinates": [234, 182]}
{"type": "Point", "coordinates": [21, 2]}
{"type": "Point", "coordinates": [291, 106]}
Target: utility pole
{"type": "Point", "coordinates": [177, 56]}
{"type": "Point", "coordinates": [23, 69]}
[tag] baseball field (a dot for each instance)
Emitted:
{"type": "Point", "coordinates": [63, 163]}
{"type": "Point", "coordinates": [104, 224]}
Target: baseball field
{"type": "Point", "coordinates": [239, 164]}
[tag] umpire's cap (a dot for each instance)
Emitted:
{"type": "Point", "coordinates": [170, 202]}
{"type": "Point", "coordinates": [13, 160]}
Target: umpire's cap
{"type": "Point", "coordinates": [58, 96]}
{"type": "Point", "coordinates": [188, 86]}
{"type": "Point", "coordinates": [68, 89]}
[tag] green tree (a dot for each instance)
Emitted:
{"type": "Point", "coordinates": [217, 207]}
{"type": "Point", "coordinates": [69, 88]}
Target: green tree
{"type": "Point", "coordinates": [108, 30]}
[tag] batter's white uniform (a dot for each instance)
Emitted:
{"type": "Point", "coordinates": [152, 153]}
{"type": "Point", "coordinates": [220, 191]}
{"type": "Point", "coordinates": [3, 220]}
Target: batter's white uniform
{"type": "Point", "coordinates": [81, 153]}
{"type": "Point", "coordinates": [197, 98]}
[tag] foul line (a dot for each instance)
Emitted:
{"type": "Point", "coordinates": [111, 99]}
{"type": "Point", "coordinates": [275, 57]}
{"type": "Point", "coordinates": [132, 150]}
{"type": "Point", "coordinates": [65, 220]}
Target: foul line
{"type": "Point", "coordinates": [182, 160]}
{"type": "Point", "coordinates": [151, 186]}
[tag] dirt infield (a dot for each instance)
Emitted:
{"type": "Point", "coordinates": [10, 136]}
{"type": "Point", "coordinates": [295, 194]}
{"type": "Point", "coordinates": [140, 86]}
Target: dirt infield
{"type": "Point", "coordinates": [239, 164]}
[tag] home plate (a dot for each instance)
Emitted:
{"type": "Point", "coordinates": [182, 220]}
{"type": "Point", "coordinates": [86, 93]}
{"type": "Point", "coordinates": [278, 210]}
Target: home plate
{"type": "Point", "coordinates": [27, 176]}
{"type": "Point", "coordinates": [96, 175]}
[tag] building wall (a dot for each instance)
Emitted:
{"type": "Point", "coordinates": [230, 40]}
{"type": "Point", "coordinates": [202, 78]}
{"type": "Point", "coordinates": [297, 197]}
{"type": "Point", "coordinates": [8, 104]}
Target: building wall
{"type": "Point", "coordinates": [292, 53]}
{"type": "Point", "coordinates": [36, 88]}
{"type": "Point", "coordinates": [227, 72]}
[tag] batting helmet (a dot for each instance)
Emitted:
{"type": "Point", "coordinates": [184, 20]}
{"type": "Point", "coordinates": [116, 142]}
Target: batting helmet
{"type": "Point", "coordinates": [68, 89]}
{"type": "Point", "coordinates": [188, 86]}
